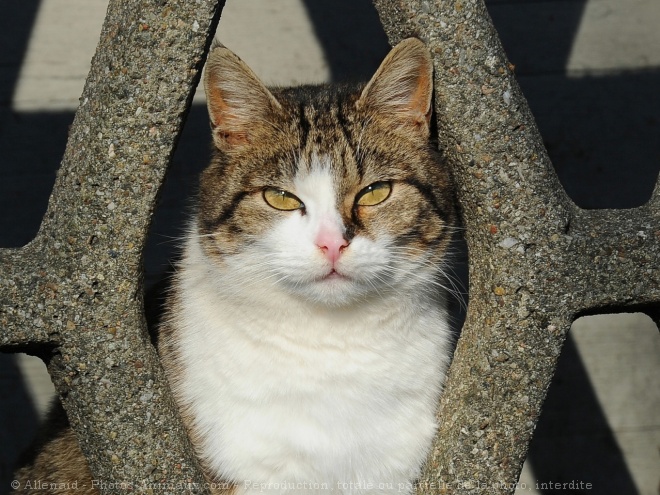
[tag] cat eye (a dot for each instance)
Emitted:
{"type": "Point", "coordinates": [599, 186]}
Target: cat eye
{"type": "Point", "coordinates": [282, 200]}
{"type": "Point", "coordinates": [374, 194]}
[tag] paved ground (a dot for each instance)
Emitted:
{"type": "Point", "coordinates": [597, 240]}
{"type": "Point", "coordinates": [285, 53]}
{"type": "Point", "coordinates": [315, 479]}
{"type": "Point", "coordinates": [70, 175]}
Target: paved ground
{"type": "Point", "coordinates": [591, 73]}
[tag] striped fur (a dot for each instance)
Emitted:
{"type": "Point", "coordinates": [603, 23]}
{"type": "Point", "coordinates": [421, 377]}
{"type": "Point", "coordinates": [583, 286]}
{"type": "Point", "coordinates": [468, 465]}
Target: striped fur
{"type": "Point", "coordinates": [284, 374]}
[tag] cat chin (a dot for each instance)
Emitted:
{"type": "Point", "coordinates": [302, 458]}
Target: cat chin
{"type": "Point", "coordinates": [332, 290]}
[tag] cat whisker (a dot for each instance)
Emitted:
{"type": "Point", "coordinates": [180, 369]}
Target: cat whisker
{"type": "Point", "coordinates": [430, 278]}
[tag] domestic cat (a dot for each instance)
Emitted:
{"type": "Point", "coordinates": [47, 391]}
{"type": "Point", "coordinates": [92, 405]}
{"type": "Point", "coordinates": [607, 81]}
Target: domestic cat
{"type": "Point", "coordinates": [307, 338]}
{"type": "Point", "coordinates": [306, 335]}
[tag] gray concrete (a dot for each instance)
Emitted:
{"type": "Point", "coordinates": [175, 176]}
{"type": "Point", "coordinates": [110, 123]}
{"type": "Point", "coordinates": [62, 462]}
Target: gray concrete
{"type": "Point", "coordinates": [590, 71]}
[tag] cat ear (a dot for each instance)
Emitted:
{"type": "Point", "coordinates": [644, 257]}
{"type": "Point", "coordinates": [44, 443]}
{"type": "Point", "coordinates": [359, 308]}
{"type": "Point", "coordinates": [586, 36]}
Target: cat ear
{"type": "Point", "coordinates": [238, 103]}
{"type": "Point", "coordinates": [402, 86]}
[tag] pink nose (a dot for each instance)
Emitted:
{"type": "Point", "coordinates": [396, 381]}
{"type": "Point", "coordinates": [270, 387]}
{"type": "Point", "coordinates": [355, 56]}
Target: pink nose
{"type": "Point", "coordinates": [332, 243]}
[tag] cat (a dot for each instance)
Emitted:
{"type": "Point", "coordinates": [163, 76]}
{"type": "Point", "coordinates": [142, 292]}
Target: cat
{"type": "Point", "coordinates": [306, 335]}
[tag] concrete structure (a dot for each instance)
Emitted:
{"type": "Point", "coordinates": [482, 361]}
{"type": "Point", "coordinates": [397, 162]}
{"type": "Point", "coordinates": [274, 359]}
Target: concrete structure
{"type": "Point", "coordinates": [591, 72]}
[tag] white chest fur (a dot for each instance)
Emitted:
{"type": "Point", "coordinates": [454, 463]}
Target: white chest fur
{"type": "Point", "coordinates": [287, 398]}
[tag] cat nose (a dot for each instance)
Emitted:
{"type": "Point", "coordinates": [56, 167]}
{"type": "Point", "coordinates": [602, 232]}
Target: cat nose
{"type": "Point", "coordinates": [332, 243]}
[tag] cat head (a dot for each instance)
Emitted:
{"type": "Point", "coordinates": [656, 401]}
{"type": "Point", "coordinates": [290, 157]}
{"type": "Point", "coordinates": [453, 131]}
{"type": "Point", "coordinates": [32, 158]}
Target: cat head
{"type": "Point", "coordinates": [330, 193]}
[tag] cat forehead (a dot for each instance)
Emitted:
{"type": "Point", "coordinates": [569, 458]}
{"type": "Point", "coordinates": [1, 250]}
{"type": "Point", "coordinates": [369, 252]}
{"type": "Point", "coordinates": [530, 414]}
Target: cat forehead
{"type": "Point", "coordinates": [322, 117]}
{"type": "Point", "coordinates": [318, 136]}
{"type": "Point", "coordinates": [319, 187]}
{"type": "Point", "coordinates": [320, 97]}
{"type": "Point", "coordinates": [314, 173]}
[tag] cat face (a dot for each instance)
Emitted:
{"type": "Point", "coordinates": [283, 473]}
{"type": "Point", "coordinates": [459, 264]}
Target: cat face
{"type": "Point", "coordinates": [333, 195]}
